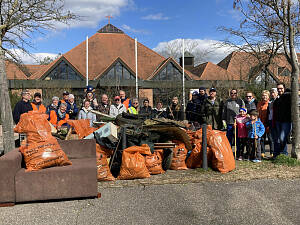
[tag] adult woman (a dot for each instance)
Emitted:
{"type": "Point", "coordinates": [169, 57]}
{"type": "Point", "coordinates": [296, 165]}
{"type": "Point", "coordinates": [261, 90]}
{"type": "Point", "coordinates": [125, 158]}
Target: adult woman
{"type": "Point", "coordinates": [59, 117]}
{"type": "Point", "coordinates": [85, 113]}
{"type": "Point", "coordinates": [175, 110]}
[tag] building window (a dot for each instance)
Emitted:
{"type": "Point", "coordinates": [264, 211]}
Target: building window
{"type": "Point", "coordinates": [63, 71]}
{"type": "Point", "coordinates": [170, 72]}
{"type": "Point", "coordinates": [118, 71]}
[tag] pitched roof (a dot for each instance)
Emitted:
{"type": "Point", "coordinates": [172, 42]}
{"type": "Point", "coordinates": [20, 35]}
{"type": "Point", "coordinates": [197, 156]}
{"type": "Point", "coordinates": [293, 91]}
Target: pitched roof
{"type": "Point", "coordinates": [211, 71]}
{"type": "Point", "coordinates": [104, 48]}
{"type": "Point", "coordinates": [109, 28]}
{"type": "Point", "coordinates": [14, 72]}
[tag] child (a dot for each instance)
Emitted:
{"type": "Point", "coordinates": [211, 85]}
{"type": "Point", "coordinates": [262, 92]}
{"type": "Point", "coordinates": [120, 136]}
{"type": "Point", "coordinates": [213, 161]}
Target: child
{"type": "Point", "coordinates": [242, 133]}
{"type": "Point", "coordinates": [256, 130]}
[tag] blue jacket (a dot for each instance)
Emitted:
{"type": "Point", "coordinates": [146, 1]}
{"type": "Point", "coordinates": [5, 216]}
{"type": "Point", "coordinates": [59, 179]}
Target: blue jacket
{"type": "Point", "coordinates": [258, 125]}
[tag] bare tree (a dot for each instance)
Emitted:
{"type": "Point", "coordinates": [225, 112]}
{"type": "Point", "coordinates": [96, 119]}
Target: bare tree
{"type": "Point", "coordinates": [279, 21]}
{"type": "Point", "coordinates": [19, 20]}
{"type": "Point", "coordinates": [174, 49]}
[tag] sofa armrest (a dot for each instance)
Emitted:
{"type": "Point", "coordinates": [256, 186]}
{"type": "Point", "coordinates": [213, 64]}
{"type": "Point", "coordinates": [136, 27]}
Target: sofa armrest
{"type": "Point", "coordinates": [79, 149]}
{"type": "Point", "coordinates": [10, 164]}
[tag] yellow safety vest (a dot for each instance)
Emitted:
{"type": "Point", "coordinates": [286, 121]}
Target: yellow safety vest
{"type": "Point", "coordinates": [132, 110]}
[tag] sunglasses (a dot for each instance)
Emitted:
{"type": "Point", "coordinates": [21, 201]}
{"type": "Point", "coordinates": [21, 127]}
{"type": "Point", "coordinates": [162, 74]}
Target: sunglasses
{"type": "Point", "coordinates": [249, 96]}
{"type": "Point", "coordinates": [117, 99]}
{"type": "Point", "coordinates": [135, 103]}
{"type": "Point", "coordinates": [233, 93]}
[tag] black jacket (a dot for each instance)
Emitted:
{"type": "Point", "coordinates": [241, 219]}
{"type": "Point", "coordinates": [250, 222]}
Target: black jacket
{"type": "Point", "coordinates": [282, 108]}
{"type": "Point", "coordinates": [20, 108]}
{"type": "Point", "coordinates": [193, 110]}
{"type": "Point", "coordinates": [175, 112]}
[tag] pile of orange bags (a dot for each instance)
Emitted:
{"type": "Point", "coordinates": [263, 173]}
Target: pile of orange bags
{"type": "Point", "coordinates": [133, 163]}
{"type": "Point", "coordinates": [42, 149]}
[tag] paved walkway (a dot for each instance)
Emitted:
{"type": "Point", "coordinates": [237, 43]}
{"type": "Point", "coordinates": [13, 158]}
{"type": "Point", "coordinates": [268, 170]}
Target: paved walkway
{"type": "Point", "coordinates": [274, 202]}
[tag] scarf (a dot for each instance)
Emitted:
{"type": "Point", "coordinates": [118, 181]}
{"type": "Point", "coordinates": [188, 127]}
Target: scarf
{"type": "Point", "coordinates": [60, 114]}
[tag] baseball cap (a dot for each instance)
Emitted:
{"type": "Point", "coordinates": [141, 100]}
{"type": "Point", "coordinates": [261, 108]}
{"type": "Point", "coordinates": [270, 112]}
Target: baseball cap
{"type": "Point", "coordinates": [195, 93]}
{"type": "Point", "coordinates": [65, 93]}
{"type": "Point", "coordinates": [212, 89]}
{"type": "Point", "coordinates": [89, 88]}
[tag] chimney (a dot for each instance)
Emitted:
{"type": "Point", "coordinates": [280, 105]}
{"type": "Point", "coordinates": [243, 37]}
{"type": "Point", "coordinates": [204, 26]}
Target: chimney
{"type": "Point", "coordinates": [188, 61]}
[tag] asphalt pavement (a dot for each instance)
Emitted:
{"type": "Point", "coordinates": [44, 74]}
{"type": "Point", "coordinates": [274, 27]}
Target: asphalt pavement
{"type": "Point", "coordinates": [251, 202]}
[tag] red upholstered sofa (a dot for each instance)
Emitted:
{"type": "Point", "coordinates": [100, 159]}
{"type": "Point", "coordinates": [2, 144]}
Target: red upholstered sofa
{"type": "Point", "coordinates": [74, 181]}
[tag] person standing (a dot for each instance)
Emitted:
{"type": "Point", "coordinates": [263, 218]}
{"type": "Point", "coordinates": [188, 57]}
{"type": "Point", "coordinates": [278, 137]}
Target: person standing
{"type": "Point", "coordinates": [175, 110]}
{"type": "Point", "coordinates": [23, 106]}
{"type": "Point", "coordinates": [256, 130]}
{"type": "Point", "coordinates": [37, 103]}
{"type": "Point", "coordinates": [90, 96]}
{"type": "Point", "coordinates": [193, 108]}
{"type": "Point", "coordinates": [212, 110]}
{"type": "Point", "coordinates": [134, 108]}
{"type": "Point", "coordinates": [117, 108]}
{"type": "Point", "coordinates": [146, 109]}
{"type": "Point", "coordinates": [242, 134]}
{"type": "Point", "coordinates": [262, 108]}
{"type": "Point", "coordinates": [85, 113]}
{"type": "Point", "coordinates": [282, 119]}
{"type": "Point", "coordinates": [104, 105]}
{"type": "Point", "coordinates": [124, 100]}
{"type": "Point", "coordinates": [250, 101]}
{"type": "Point", "coordinates": [159, 111]}
{"type": "Point", "coordinates": [72, 107]}
{"type": "Point", "coordinates": [230, 111]}
{"type": "Point", "coordinates": [271, 125]}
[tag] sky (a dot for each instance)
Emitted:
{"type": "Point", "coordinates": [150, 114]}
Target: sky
{"type": "Point", "coordinates": [153, 22]}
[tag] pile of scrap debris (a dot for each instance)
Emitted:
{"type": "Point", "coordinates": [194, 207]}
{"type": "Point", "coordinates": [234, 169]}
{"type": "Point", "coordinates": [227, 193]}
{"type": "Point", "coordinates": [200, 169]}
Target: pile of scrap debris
{"type": "Point", "coordinates": [131, 146]}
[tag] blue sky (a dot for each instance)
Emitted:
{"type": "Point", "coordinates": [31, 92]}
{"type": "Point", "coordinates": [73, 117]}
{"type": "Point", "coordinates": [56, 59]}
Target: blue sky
{"type": "Point", "coordinates": [151, 21]}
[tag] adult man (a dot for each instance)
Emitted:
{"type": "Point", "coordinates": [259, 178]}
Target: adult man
{"type": "Point", "coordinates": [271, 123]}
{"type": "Point", "coordinates": [117, 108]}
{"type": "Point", "coordinates": [282, 119]}
{"type": "Point", "coordinates": [230, 111]}
{"type": "Point", "coordinates": [124, 100]}
{"type": "Point", "coordinates": [146, 109]}
{"type": "Point", "coordinates": [175, 110]}
{"type": "Point", "coordinates": [250, 101]}
{"type": "Point", "coordinates": [104, 105]}
{"type": "Point", "coordinates": [72, 109]}
{"type": "Point", "coordinates": [22, 106]}
{"type": "Point", "coordinates": [193, 108]}
{"type": "Point", "coordinates": [37, 103]}
{"type": "Point", "coordinates": [134, 108]}
{"type": "Point", "coordinates": [65, 98]}
{"type": "Point", "coordinates": [212, 110]}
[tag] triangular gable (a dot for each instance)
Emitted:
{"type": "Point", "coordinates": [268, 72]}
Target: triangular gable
{"type": "Point", "coordinates": [62, 59]}
{"type": "Point", "coordinates": [163, 65]}
{"type": "Point", "coordinates": [111, 66]}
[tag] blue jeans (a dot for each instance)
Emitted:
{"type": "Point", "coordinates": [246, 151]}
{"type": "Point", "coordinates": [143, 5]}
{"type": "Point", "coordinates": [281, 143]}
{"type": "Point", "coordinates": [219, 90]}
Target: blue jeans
{"type": "Point", "coordinates": [230, 136]}
{"type": "Point", "coordinates": [282, 130]}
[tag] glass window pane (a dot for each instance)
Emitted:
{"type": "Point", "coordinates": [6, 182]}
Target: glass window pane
{"type": "Point", "coordinates": [63, 72]}
{"type": "Point", "coordinates": [126, 74]}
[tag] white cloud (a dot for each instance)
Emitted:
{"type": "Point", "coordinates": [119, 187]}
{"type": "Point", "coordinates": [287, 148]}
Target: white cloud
{"type": "Point", "coordinates": [34, 58]}
{"type": "Point", "coordinates": [130, 29]}
{"type": "Point", "coordinates": [94, 11]}
{"type": "Point", "coordinates": [204, 50]}
{"type": "Point", "coordinates": [158, 16]}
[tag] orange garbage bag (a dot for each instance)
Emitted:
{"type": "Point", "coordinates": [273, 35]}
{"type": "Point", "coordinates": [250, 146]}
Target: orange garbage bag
{"type": "Point", "coordinates": [35, 125]}
{"type": "Point", "coordinates": [179, 155]}
{"type": "Point", "coordinates": [42, 155]}
{"type": "Point", "coordinates": [222, 159]}
{"type": "Point", "coordinates": [133, 163]}
{"type": "Point", "coordinates": [82, 127]}
{"type": "Point", "coordinates": [154, 162]}
{"type": "Point", "coordinates": [103, 171]}
{"type": "Point", "coordinates": [102, 149]}
{"type": "Point", "coordinates": [196, 157]}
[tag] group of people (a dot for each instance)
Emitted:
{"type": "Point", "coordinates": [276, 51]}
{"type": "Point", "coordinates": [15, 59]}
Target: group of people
{"type": "Point", "coordinates": [248, 123]}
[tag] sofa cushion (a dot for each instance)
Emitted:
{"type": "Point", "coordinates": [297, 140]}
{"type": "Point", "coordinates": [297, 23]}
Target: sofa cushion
{"type": "Point", "coordinates": [73, 181]}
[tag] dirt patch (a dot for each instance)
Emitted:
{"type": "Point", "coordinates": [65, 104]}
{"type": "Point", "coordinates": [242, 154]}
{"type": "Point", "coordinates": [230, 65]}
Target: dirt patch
{"type": "Point", "coordinates": [244, 171]}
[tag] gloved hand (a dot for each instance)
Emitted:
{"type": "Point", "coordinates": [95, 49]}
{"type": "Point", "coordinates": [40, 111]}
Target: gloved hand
{"type": "Point", "coordinates": [224, 124]}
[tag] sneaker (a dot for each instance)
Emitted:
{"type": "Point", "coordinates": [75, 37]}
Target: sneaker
{"type": "Point", "coordinates": [256, 161]}
{"type": "Point", "coordinates": [240, 158]}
